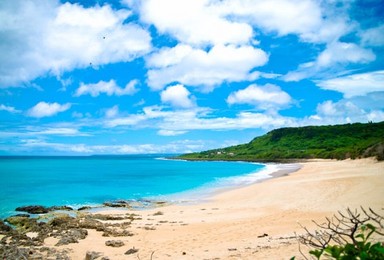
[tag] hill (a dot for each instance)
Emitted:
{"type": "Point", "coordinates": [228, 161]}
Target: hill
{"type": "Point", "coordinates": [328, 142]}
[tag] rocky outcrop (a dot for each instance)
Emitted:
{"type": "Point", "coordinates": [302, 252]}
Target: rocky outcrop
{"type": "Point", "coordinates": [114, 243]}
{"type": "Point", "coordinates": [33, 209]}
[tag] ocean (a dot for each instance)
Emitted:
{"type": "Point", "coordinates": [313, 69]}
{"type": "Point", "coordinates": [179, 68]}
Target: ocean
{"type": "Point", "coordinates": [92, 180]}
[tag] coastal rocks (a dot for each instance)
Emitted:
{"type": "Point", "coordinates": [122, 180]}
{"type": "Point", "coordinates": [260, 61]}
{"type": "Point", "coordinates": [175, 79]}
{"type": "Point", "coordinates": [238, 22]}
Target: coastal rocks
{"type": "Point", "coordinates": [91, 255]}
{"type": "Point", "coordinates": [108, 232]}
{"type": "Point", "coordinates": [72, 236]}
{"type": "Point", "coordinates": [64, 208]}
{"type": "Point", "coordinates": [37, 209]}
{"type": "Point", "coordinates": [33, 209]}
{"type": "Point", "coordinates": [118, 204]}
{"type": "Point", "coordinates": [114, 243]}
{"type": "Point", "coordinates": [4, 228]}
{"type": "Point", "coordinates": [23, 223]}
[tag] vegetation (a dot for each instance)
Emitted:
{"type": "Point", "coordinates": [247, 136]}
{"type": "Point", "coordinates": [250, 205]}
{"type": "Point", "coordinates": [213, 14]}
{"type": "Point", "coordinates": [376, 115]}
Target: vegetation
{"type": "Point", "coordinates": [350, 235]}
{"type": "Point", "coordinates": [328, 142]}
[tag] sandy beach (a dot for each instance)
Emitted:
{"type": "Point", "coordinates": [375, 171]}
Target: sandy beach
{"type": "Point", "coordinates": [253, 222]}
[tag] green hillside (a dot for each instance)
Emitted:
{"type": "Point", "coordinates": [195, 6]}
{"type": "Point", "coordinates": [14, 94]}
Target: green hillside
{"type": "Point", "coordinates": [327, 142]}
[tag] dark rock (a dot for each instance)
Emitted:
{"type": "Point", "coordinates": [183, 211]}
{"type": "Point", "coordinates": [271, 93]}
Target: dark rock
{"type": "Point", "coordinates": [84, 208]}
{"type": "Point", "coordinates": [116, 233]}
{"type": "Point", "coordinates": [53, 208]}
{"type": "Point", "coordinates": [22, 215]}
{"type": "Point", "coordinates": [263, 235]}
{"type": "Point", "coordinates": [117, 204]}
{"type": "Point", "coordinates": [91, 224]}
{"type": "Point", "coordinates": [114, 243]}
{"type": "Point", "coordinates": [92, 255]}
{"type": "Point", "coordinates": [132, 251]}
{"type": "Point", "coordinates": [72, 236]}
{"type": "Point", "coordinates": [33, 209]}
{"type": "Point", "coordinates": [4, 227]}
{"type": "Point", "coordinates": [60, 221]}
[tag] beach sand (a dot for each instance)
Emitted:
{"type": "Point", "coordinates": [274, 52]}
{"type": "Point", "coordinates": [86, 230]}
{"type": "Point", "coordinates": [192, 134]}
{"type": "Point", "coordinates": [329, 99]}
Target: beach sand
{"type": "Point", "coordinates": [253, 222]}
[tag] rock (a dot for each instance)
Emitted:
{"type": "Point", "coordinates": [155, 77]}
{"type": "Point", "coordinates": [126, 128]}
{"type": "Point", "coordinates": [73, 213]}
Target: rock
{"type": "Point", "coordinates": [84, 208]}
{"type": "Point", "coordinates": [116, 233]}
{"type": "Point", "coordinates": [23, 223]}
{"type": "Point", "coordinates": [132, 251]}
{"type": "Point", "coordinates": [22, 215]}
{"type": "Point", "coordinates": [107, 217]}
{"type": "Point", "coordinates": [60, 221]}
{"type": "Point", "coordinates": [117, 204]}
{"type": "Point", "coordinates": [72, 236]}
{"type": "Point", "coordinates": [4, 227]}
{"type": "Point", "coordinates": [33, 209]}
{"type": "Point", "coordinates": [53, 208]}
{"type": "Point", "coordinates": [114, 243]}
{"type": "Point", "coordinates": [92, 255]}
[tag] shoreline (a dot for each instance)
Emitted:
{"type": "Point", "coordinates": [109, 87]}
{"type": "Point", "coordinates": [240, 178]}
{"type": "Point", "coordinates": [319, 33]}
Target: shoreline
{"type": "Point", "coordinates": [253, 222]}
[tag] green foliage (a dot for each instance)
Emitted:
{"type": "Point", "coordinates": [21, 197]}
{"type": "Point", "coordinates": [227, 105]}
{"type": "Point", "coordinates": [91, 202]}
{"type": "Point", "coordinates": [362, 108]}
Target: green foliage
{"type": "Point", "coordinates": [361, 249]}
{"type": "Point", "coordinates": [328, 142]}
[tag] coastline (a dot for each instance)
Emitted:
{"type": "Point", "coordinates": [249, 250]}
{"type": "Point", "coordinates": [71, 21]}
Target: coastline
{"type": "Point", "coordinates": [250, 222]}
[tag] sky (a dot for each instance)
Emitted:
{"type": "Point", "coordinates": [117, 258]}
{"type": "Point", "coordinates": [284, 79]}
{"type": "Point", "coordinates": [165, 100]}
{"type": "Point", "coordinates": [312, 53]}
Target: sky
{"type": "Point", "coordinates": [85, 77]}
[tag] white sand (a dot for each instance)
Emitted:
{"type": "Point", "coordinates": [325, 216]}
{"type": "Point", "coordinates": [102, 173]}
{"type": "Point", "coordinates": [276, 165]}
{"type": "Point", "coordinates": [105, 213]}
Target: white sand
{"type": "Point", "coordinates": [232, 225]}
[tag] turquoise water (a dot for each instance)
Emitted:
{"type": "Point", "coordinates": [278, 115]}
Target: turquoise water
{"type": "Point", "coordinates": [77, 181]}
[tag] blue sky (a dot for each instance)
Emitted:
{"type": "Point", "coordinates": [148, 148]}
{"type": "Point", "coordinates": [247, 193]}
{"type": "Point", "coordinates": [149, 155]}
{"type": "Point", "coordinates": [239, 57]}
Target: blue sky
{"type": "Point", "coordinates": [175, 76]}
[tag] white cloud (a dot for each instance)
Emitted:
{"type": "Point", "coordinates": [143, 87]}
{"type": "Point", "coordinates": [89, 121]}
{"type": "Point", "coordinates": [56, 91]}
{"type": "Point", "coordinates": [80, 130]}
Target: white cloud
{"type": "Point", "coordinates": [345, 111]}
{"type": "Point", "coordinates": [205, 69]}
{"type": "Point", "coordinates": [194, 22]}
{"type": "Point", "coordinates": [336, 56]}
{"type": "Point", "coordinates": [182, 121]}
{"type": "Point", "coordinates": [9, 109]}
{"type": "Point", "coordinates": [172, 147]}
{"type": "Point", "coordinates": [178, 96]}
{"type": "Point", "coordinates": [110, 88]}
{"type": "Point", "coordinates": [373, 36]}
{"type": "Point", "coordinates": [356, 84]}
{"type": "Point", "coordinates": [112, 112]}
{"type": "Point", "coordinates": [43, 109]}
{"type": "Point", "coordinates": [230, 21]}
{"type": "Point", "coordinates": [263, 97]}
{"type": "Point", "coordinates": [341, 52]}
{"type": "Point", "coordinates": [63, 37]}
{"type": "Point", "coordinates": [170, 132]}
{"type": "Point", "coordinates": [283, 16]}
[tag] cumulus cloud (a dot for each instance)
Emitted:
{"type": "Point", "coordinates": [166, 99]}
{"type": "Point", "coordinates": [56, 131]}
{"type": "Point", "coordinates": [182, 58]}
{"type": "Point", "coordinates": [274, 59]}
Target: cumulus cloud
{"type": "Point", "coordinates": [194, 22]}
{"type": "Point", "coordinates": [178, 96]}
{"type": "Point", "coordinates": [346, 111]}
{"type": "Point", "coordinates": [356, 84]}
{"type": "Point", "coordinates": [263, 97]}
{"type": "Point", "coordinates": [63, 37]}
{"type": "Point", "coordinates": [230, 21]}
{"type": "Point", "coordinates": [205, 69]}
{"type": "Point", "coordinates": [341, 52]}
{"type": "Point", "coordinates": [9, 109]}
{"type": "Point", "coordinates": [110, 88]}
{"type": "Point", "coordinates": [43, 109]}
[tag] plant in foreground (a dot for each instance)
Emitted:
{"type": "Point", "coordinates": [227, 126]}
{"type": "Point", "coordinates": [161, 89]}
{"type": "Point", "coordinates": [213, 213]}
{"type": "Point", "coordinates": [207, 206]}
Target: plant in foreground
{"type": "Point", "coordinates": [346, 236]}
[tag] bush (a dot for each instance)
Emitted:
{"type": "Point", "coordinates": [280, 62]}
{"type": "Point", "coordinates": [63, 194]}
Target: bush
{"type": "Point", "coordinates": [347, 236]}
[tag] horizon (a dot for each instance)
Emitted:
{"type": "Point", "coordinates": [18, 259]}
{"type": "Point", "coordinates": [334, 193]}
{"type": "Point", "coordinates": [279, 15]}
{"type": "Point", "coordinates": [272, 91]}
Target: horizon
{"type": "Point", "coordinates": [122, 77]}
